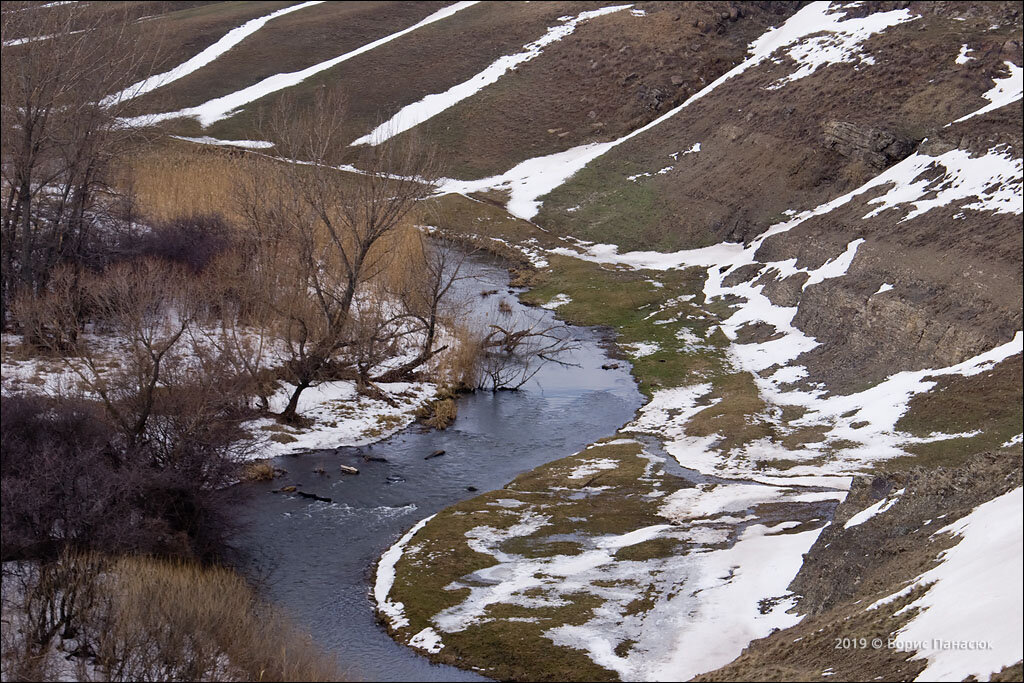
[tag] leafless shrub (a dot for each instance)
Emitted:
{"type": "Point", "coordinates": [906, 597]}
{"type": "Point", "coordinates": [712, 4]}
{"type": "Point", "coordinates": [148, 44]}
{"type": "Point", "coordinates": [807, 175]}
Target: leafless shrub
{"type": "Point", "coordinates": [511, 356]}
{"type": "Point", "coordinates": [59, 136]}
{"type": "Point", "coordinates": [193, 241]}
{"type": "Point", "coordinates": [136, 618]}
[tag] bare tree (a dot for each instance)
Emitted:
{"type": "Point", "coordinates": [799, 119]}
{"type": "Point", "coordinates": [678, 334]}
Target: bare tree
{"type": "Point", "coordinates": [434, 270]}
{"type": "Point", "coordinates": [164, 389]}
{"type": "Point", "coordinates": [325, 232]}
{"type": "Point", "coordinates": [58, 140]}
{"type": "Point", "coordinates": [511, 356]}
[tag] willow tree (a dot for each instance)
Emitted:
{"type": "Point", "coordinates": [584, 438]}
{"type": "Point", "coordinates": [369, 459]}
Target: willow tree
{"type": "Point", "coordinates": [322, 230]}
{"type": "Point", "coordinates": [60, 137]}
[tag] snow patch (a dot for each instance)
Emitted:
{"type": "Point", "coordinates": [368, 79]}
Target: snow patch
{"type": "Point", "coordinates": [428, 639]}
{"type": "Point", "coordinates": [228, 105]}
{"type": "Point", "coordinates": [841, 41]}
{"type": "Point", "coordinates": [876, 509]}
{"type": "Point", "coordinates": [1005, 91]}
{"type": "Point", "coordinates": [975, 596]}
{"type": "Point", "coordinates": [207, 140]}
{"type": "Point", "coordinates": [393, 611]}
{"type": "Point", "coordinates": [556, 301]}
{"type": "Point", "coordinates": [432, 105]}
{"type": "Point", "coordinates": [588, 467]}
{"type": "Point", "coordinates": [228, 41]}
{"type": "Point", "coordinates": [962, 58]}
{"type": "Point", "coordinates": [641, 349]}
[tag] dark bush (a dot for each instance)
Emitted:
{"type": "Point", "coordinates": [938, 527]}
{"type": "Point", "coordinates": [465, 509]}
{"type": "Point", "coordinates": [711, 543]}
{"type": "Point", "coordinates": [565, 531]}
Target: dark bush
{"type": "Point", "coordinates": [69, 483]}
{"type": "Point", "coordinates": [191, 241]}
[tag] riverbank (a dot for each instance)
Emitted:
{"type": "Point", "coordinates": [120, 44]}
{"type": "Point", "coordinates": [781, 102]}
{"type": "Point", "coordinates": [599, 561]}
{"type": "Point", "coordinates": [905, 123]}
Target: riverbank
{"type": "Point", "coordinates": [317, 559]}
{"type": "Point", "coordinates": [544, 571]}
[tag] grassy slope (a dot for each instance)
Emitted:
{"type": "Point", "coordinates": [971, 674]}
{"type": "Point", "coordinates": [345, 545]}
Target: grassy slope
{"type": "Point", "coordinates": [290, 43]}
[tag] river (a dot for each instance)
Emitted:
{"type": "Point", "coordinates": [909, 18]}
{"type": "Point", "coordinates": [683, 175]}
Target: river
{"type": "Point", "coordinates": [317, 559]}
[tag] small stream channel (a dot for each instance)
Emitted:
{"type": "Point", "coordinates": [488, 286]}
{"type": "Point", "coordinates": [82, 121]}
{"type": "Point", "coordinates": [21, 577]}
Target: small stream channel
{"type": "Point", "coordinates": [318, 559]}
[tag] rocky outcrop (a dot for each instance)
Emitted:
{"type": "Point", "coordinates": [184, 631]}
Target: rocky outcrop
{"type": "Point", "coordinates": [847, 569]}
{"type": "Point", "coordinates": [877, 147]}
{"type": "Point", "coordinates": [845, 564]}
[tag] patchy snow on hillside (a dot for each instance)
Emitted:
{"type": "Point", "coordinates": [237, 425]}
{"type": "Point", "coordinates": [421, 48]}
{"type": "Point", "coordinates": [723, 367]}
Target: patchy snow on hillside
{"type": "Point", "coordinates": [968, 622]}
{"type": "Point", "coordinates": [228, 105]}
{"type": "Point", "coordinates": [228, 41]}
{"type": "Point", "coordinates": [995, 178]}
{"type": "Point", "coordinates": [692, 150]}
{"type": "Point", "coordinates": [430, 106]}
{"type": "Point", "coordinates": [1005, 91]}
{"type": "Point", "coordinates": [32, 39]}
{"type": "Point", "coordinates": [634, 178]}
{"type": "Point", "coordinates": [872, 510]}
{"type": "Point", "coordinates": [840, 41]}
{"type": "Point", "coordinates": [990, 182]}
{"type": "Point", "coordinates": [530, 180]}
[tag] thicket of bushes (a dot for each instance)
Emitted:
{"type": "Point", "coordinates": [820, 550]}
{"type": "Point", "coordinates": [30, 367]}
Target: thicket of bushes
{"type": "Point", "coordinates": [71, 483]}
{"type": "Point", "coordinates": [142, 619]}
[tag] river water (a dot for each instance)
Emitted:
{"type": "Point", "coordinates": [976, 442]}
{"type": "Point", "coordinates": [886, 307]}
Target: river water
{"type": "Point", "coordinates": [317, 559]}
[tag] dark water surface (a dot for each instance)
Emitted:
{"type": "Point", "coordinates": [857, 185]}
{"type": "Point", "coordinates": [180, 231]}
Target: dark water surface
{"type": "Point", "coordinates": [318, 559]}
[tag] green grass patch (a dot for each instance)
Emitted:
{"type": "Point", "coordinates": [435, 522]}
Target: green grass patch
{"type": "Point", "coordinates": [736, 415]}
{"type": "Point", "coordinates": [990, 402]}
{"type": "Point", "coordinates": [508, 641]}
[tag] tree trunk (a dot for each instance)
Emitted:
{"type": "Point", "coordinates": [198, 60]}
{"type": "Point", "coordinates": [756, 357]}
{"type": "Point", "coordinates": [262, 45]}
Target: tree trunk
{"type": "Point", "coordinates": [289, 413]}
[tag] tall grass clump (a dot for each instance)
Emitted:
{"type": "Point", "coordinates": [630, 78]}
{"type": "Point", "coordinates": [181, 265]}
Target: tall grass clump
{"type": "Point", "coordinates": [172, 180]}
{"type": "Point", "coordinates": [140, 618]}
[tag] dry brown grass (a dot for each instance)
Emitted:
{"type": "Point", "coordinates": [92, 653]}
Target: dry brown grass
{"type": "Point", "coordinates": [443, 413]}
{"type": "Point", "coordinates": [175, 179]}
{"type": "Point", "coordinates": [258, 471]}
{"type": "Point", "coordinates": [148, 619]}
{"type": "Point", "coordinates": [179, 179]}
{"type": "Point", "coordinates": [459, 366]}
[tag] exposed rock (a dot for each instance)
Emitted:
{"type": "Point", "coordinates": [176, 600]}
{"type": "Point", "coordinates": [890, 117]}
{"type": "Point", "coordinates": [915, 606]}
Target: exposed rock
{"type": "Point", "coordinates": [785, 292]}
{"type": "Point", "coordinates": [435, 454]}
{"type": "Point", "coordinates": [742, 274]}
{"type": "Point", "coordinates": [757, 333]}
{"type": "Point", "coordinates": [845, 562]}
{"type": "Point", "coordinates": [878, 147]}
{"type": "Point", "coordinates": [313, 496]}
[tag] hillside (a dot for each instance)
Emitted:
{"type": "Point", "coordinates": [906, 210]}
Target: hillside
{"type": "Point", "coordinates": [801, 222]}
